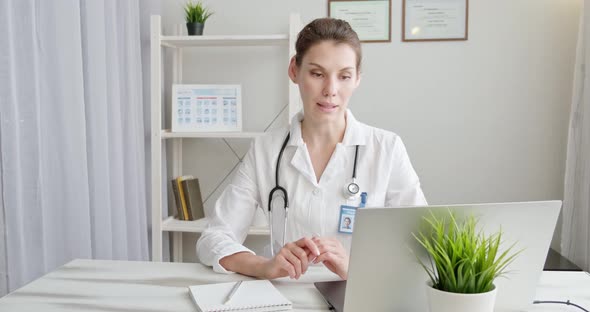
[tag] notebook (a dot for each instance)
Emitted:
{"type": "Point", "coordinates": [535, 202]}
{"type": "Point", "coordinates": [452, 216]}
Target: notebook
{"type": "Point", "coordinates": [257, 295]}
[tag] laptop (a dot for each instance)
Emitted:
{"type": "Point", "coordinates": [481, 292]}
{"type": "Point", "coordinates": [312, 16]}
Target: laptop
{"type": "Point", "coordinates": [384, 274]}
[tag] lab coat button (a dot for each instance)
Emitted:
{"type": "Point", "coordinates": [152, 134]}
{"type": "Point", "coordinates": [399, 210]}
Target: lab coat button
{"type": "Point", "coordinates": [316, 191]}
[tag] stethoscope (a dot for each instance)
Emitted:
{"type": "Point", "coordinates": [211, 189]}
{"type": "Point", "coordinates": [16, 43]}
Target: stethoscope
{"type": "Point", "coordinates": [350, 192]}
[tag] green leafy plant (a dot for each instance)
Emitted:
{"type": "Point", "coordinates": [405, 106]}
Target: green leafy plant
{"type": "Point", "coordinates": [196, 12]}
{"type": "Point", "coordinates": [463, 260]}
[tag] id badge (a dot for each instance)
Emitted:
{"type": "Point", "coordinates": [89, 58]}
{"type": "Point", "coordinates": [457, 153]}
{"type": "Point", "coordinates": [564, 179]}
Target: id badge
{"type": "Point", "coordinates": [347, 215]}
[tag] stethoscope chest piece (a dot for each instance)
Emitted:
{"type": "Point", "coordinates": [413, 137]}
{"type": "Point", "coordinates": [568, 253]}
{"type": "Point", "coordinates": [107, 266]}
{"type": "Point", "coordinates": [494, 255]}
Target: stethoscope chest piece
{"type": "Point", "coordinates": [351, 190]}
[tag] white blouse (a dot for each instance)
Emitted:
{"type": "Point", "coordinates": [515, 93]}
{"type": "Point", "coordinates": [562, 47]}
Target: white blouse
{"type": "Point", "coordinates": [383, 171]}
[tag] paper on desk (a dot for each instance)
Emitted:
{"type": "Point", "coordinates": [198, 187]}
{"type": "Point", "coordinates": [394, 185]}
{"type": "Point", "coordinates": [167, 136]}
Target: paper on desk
{"type": "Point", "coordinates": [258, 295]}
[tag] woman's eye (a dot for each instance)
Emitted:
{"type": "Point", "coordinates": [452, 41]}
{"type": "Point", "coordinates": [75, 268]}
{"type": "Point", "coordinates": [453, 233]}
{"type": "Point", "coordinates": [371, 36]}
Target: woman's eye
{"type": "Point", "coordinates": [316, 74]}
{"type": "Point", "coordinates": [345, 77]}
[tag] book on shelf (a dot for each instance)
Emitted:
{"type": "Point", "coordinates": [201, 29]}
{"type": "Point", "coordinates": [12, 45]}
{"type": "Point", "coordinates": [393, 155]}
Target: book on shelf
{"type": "Point", "coordinates": [194, 201]}
{"type": "Point", "coordinates": [177, 203]}
{"type": "Point", "coordinates": [187, 196]}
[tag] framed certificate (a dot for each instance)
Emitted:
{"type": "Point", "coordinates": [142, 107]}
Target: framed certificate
{"type": "Point", "coordinates": [371, 19]}
{"type": "Point", "coordinates": [206, 108]}
{"type": "Point", "coordinates": [435, 20]}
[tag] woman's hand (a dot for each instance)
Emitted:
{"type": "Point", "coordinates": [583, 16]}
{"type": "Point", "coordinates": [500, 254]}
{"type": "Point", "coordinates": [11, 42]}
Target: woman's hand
{"type": "Point", "coordinates": [333, 255]}
{"type": "Point", "coordinates": [292, 260]}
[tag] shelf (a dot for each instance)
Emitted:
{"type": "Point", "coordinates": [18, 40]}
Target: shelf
{"type": "Point", "coordinates": [217, 41]}
{"type": "Point", "coordinates": [160, 63]}
{"type": "Point", "coordinates": [167, 134]}
{"type": "Point", "coordinates": [198, 226]}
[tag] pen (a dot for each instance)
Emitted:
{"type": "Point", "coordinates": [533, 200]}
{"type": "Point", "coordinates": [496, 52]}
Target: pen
{"type": "Point", "coordinates": [232, 292]}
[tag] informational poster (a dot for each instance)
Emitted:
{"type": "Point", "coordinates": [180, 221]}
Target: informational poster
{"type": "Point", "coordinates": [206, 108]}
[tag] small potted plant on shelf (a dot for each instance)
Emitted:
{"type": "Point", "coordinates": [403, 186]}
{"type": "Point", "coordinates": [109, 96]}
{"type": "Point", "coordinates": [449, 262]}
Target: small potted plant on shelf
{"type": "Point", "coordinates": [196, 14]}
{"type": "Point", "coordinates": [463, 264]}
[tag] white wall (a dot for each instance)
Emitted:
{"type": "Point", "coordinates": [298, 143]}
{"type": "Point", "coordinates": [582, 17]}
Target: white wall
{"type": "Point", "coordinates": [484, 120]}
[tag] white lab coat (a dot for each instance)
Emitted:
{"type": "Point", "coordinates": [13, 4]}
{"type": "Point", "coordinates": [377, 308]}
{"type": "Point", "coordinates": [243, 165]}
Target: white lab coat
{"type": "Point", "coordinates": [383, 171]}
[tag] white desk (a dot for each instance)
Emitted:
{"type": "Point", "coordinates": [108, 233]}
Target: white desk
{"type": "Point", "coordinates": [96, 285]}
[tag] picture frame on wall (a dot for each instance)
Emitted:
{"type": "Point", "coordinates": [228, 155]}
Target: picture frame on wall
{"type": "Point", "coordinates": [435, 20]}
{"type": "Point", "coordinates": [371, 19]}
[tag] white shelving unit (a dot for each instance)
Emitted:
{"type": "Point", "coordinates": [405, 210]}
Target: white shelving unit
{"type": "Point", "coordinates": [177, 44]}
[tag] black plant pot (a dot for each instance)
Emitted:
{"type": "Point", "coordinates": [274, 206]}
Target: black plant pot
{"type": "Point", "coordinates": [195, 29]}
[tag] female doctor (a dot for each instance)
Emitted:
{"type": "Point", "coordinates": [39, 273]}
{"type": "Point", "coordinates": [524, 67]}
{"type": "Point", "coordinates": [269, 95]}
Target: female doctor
{"type": "Point", "coordinates": [315, 169]}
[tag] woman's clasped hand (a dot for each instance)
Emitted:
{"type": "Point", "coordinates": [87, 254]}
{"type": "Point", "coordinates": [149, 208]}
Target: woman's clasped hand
{"type": "Point", "coordinates": [294, 258]}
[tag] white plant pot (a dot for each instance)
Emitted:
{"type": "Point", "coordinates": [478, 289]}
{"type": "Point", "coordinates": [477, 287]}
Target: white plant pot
{"type": "Point", "coordinates": [442, 301]}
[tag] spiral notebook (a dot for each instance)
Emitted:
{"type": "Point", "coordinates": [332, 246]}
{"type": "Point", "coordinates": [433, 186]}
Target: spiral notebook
{"type": "Point", "coordinates": [257, 295]}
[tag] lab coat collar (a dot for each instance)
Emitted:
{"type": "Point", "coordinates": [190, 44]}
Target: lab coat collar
{"type": "Point", "coordinates": [354, 134]}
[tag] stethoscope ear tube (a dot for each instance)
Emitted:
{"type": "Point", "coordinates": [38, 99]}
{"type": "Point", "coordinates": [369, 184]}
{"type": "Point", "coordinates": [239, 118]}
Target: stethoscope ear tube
{"type": "Point", "coordinates": [272, 251]}
{"type": "Point", "coordinates": [352, 189]}
{"type": "Point", "coordinates": [279, 189]}
{"type": "Point", "coordinates": [281, 192]}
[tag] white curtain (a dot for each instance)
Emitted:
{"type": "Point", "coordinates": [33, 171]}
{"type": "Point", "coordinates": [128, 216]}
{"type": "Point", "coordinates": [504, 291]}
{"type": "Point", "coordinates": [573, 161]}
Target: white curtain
{"type": "Point", "coordinates": [575, 236]}
{"type": "Point", "coordinates": [72, 134]}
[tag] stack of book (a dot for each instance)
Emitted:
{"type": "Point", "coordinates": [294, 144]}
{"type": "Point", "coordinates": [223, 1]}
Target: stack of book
{"type": "Point", "coordinates": [187, 194]}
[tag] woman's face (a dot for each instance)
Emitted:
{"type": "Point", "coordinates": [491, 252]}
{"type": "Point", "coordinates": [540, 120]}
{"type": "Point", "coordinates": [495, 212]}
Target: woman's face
{"type": "Point", "coordinates": [327, 78]}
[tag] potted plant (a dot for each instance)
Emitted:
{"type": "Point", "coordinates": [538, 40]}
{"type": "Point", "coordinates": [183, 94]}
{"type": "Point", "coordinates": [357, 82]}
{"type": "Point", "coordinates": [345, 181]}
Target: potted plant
{"type": "Point", "coordinates": [196, 14]}
{"type": "Point", "coordinates": [463, 264]}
